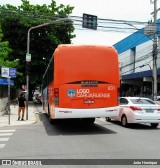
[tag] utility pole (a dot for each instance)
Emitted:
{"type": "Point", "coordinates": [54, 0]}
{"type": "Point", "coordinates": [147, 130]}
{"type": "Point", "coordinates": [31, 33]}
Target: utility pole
{"type": "Point", "coordinates": [151, 78]}
{"type": "Point", "coordinates": [155, 41]}
{"type": "Point", "coordinates": [28, 53]}
{"type": "Point", "coordinates": [151, 29]}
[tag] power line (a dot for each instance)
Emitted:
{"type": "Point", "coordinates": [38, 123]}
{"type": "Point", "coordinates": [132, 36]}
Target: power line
{"type": "Point", "coordinates": [44, 16]}
{"type": "Point", "coordinates": [134, 68]}
{"type": "Point", "coordinates": [137, 60]}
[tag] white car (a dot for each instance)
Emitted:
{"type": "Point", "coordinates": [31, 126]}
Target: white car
{"type": "Point", "coordinates": [138, 110]}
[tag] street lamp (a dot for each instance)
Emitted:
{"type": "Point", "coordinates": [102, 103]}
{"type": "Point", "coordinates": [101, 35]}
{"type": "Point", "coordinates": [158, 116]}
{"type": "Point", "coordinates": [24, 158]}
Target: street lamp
{"type": "Point", "coordinates": [151, 78]}
{"type": "Point", "coordinates": [27, 75]}
{"type": "Point", "coordinates": [28, 50]}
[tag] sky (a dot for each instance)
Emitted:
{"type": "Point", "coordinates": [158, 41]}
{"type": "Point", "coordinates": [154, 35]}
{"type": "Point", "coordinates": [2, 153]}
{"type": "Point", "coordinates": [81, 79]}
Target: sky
{"type": "Point", "coordinates": [130, 10]}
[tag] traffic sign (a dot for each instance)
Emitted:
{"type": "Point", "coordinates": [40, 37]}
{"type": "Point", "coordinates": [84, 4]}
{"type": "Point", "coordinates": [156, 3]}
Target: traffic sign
{"type": "Point", "coordinates": [9, 72]}
{"type": "Point", "coordinates": [5, 72]}
{"type": "Point", "coordinates": [28, 57]}
{"type": "Point", "coordinates": [89, 21]}
{"type": "Point", "coordinates": [4, 81]}
{"type": "Point", "coordinates": [13, 72]}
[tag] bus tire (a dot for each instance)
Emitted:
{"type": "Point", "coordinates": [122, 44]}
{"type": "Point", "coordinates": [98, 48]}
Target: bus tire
{"type": "Point", "coordinates": [88, 120]}
{"type": "Point", "coordinates": [48, 111]}
{"type": "Point", "coordinates": [49, 116]}
{"type": "Point", "coordinates": [52, 121]}
{"type": "Point", "coordinates": [108, 119]}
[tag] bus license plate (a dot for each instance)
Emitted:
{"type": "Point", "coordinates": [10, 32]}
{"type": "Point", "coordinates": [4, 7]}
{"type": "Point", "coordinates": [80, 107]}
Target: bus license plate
{"type": "Point", "coordinates": [87, 101]}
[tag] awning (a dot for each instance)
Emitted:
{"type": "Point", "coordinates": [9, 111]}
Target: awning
{"type": "Point", "coordinates": [139, 74]}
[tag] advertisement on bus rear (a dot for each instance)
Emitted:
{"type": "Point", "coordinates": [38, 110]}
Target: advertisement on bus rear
{"type": "Point", "coordinates": [88, 93]}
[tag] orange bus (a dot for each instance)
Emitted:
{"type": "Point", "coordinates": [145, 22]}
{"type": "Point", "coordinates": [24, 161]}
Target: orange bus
{"type": "Point", "coordinates": [83, 82]}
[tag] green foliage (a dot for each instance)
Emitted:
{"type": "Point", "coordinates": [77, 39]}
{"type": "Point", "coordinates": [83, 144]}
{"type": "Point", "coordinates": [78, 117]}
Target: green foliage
{"type": "Point", "coordinates": [16, 22]}
{"type": "Point", "coordinates": [4, 54]}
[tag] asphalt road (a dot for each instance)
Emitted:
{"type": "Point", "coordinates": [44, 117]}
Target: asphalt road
{"type": "Point", "coordinates": [72, 140]}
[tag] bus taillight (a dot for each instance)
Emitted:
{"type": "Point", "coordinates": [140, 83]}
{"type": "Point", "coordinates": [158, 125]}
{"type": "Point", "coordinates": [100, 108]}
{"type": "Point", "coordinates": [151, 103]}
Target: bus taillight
{"type": "Point", "coordinates": [56, 96]}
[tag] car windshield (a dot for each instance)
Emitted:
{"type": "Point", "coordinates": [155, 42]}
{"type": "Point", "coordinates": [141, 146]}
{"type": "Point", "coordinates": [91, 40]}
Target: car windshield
{"type": "Point", "coordinates": [141, 101]}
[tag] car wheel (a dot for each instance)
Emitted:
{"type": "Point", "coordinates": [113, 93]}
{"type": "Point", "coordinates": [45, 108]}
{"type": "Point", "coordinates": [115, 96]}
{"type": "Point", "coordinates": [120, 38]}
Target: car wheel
{"type": "Point", "coordinates": [154, 125]}
{"type": "Point", "coordinates": [124, 121]}
{"type": "Point", "coordinates": [108, 119]}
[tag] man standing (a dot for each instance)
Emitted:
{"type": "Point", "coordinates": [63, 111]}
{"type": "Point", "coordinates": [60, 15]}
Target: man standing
{"type": "Point", "coordinates": [21, 106]}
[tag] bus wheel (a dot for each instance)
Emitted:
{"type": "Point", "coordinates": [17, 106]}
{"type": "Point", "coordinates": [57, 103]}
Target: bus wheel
{"type": "Point", "coordinates": [53, 121]}
{"type": "Point", "coordinates": [50, 120]}
{"type": "Point", "coordinates": [88, 120]}
{"type": "Point", "coordinates": [108, 119]}
{"type": "Point", "coordinates": [48, 111]}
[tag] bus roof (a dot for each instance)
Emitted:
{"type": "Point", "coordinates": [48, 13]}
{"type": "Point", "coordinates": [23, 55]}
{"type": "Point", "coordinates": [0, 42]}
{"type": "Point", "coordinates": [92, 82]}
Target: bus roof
{"type": "Point", "coordinates": [86, 62]}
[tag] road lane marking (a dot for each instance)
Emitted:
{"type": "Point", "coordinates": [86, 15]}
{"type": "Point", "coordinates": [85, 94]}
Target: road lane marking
{"type": "Point", "coordinates": [2, 145]}
{"type": "Point", "coordinates": [7, 131]}
{"type": "Point", "coordinates": [6, 134]}
{"type": "Point", "coordinates": [4, 139]}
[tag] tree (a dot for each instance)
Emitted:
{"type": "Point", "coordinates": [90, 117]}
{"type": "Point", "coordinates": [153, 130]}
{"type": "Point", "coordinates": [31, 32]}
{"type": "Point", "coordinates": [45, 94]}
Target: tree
{"type": "Point", "coordinates": [4, 53]}
{"type": "Point", "coordinates": [16, 22]}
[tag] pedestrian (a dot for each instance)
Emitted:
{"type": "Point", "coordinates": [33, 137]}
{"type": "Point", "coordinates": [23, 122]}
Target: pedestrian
{"type": "Point", "coordinates": [21, 106]}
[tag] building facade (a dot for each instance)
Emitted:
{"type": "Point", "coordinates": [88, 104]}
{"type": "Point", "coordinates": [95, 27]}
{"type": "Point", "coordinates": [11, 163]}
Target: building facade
{"type": "Point", "coordinates": [136, 64]}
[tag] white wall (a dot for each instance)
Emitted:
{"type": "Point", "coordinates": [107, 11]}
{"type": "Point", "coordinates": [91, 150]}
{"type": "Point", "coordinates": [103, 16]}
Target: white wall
{"type": "Point", "coordinates": [143, 55]}
{"type": "Point", "coordinates": [125, 60]}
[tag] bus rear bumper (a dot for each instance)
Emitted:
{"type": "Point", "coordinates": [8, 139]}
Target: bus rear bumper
{"type": "Point", "coordinates": [86, 113]}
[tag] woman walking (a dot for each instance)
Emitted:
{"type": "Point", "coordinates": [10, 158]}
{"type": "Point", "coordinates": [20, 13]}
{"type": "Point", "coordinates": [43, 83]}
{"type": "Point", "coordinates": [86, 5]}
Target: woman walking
{"type": "Point", "coordinates": [21, 106]}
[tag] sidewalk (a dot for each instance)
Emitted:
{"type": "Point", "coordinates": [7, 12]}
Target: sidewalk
{"type": "Point", "coordinates": [4, 119]}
